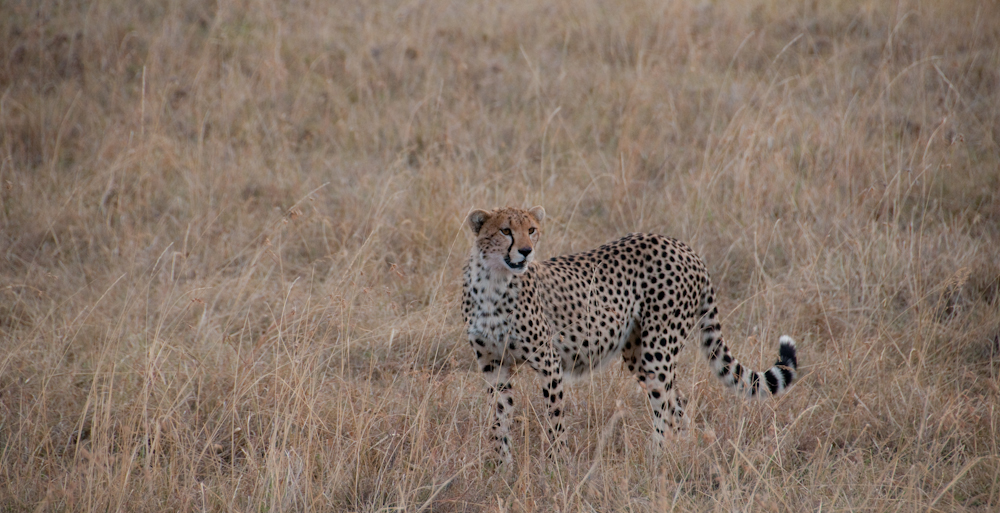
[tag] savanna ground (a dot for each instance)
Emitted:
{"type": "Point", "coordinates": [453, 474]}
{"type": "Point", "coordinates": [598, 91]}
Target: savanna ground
{"type": "Point", "coordinates": [232, 235]}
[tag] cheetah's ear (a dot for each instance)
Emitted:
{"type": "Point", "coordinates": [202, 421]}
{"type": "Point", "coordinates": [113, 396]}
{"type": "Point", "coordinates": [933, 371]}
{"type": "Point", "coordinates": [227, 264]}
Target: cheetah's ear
{"type": "Point", "coordinates": [476, 220]}
{"type": "Point", "coordinates": [538, 213]}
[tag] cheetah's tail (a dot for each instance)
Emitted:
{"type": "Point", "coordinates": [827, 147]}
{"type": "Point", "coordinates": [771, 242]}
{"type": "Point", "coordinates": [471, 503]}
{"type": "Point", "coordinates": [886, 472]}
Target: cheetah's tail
{"type": "Point", "coordinates": [746, 381]}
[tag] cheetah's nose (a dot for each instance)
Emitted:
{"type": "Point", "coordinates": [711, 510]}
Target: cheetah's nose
{"type": "Point", "coordinates": [524, 251]}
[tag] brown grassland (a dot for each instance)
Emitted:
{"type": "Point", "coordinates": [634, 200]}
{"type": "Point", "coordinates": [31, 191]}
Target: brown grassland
{"type": "Point", "coordinates": [231, 238]}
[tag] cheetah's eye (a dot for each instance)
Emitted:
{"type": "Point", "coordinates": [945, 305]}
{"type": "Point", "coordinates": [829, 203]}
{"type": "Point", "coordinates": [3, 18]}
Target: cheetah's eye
{"type": "Point", "coordinates": [505, 231]}
{"type": "Point", "coordinates": [531, 230]}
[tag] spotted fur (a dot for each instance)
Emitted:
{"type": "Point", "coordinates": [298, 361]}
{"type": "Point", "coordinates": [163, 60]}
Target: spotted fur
{"type": "Point", "coordinates": [639, 297]}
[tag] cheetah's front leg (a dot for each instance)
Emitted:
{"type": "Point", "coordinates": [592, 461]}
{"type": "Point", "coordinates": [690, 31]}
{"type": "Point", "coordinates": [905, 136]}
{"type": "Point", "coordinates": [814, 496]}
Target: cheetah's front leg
{"type": "Point", "coordinates": [497, 374]}
{"type": "Point", "coordinates": [552, 391]}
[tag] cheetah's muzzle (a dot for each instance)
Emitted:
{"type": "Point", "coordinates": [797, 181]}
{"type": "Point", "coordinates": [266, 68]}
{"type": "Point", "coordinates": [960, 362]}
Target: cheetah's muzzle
{"type": "Point", "coordinates": [518, 267]}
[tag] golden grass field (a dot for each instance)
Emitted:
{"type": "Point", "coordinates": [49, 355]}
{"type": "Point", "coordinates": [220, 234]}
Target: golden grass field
{"type": "Point", "coordinates": [231, 239]}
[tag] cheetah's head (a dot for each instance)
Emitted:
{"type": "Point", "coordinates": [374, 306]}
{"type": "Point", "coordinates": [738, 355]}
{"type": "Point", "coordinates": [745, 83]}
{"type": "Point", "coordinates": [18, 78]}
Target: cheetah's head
{"type": "Point", "coordinates": [506, 237]}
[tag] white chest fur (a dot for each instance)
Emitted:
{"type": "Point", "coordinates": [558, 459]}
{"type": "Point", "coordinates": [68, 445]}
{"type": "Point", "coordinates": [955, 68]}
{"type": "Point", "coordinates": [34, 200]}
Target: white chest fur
{"type": "Point", "coordinates": [491, 297]}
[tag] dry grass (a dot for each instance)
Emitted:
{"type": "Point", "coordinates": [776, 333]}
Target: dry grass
{"type": "Point", "coordinates": [231, 236]}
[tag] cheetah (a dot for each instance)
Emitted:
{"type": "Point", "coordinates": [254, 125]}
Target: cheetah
{"type": "Point", "coordinates": [638, 297]}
